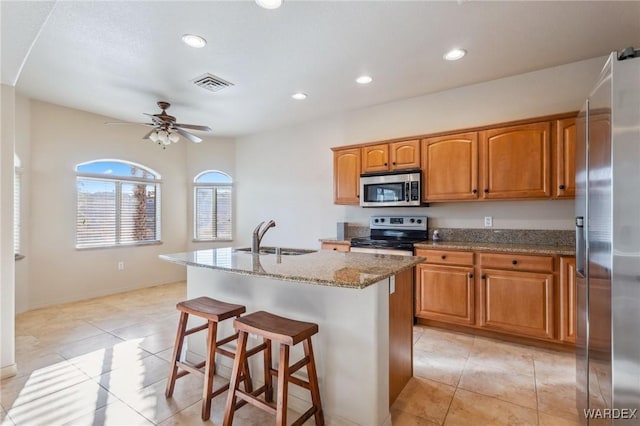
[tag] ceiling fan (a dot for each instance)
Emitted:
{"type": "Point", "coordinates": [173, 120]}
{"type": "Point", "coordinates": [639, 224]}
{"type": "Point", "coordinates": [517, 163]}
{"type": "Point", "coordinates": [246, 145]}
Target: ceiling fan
{"type": "Point", "coordinates": [165, 129]}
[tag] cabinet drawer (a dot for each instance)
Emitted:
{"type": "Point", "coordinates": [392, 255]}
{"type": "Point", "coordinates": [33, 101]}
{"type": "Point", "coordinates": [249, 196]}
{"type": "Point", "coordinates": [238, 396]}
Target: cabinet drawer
{"type": "Point", "coordinates": [516, 262]}
{"type": "Point", "coordinates": [336, 246]}
{"type": "Point", "coordinates": [446, 257]}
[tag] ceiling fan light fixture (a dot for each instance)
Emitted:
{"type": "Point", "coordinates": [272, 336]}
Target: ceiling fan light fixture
{"type": "Point", "coordinates": [154, 137]}
{"type": "Point", "coordinates": [173, 137]}
{"type": "Point", "coordinates": [269, 4]}
{"type": "Point", "coordinates": [193, 40]}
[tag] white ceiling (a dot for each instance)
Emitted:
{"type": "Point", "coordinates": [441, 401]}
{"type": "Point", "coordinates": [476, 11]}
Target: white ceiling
{"type": "Point", "coordinates": [118, 58]}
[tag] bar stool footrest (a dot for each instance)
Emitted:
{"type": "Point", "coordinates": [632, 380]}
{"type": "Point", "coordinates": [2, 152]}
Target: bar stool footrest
{"type": "Point", "coordinates": [306, 416]}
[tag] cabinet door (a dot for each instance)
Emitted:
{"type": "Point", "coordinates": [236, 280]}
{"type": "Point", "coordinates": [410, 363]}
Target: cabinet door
{"type": "Point", "coordinates": [517, 302]}
{"type": "Point", "coordinates": [405, 154]}
{"type": "Point", "coordinates": [568, 301]}
{"type": "Point", "coordinates": [516, 161]}
{"type": "Point", "coordinates": [346, 176]}
{"type": "Point", "coordinates": [565, 162]}
{"type": "Point", "coordinates": [450, 167]}
{"type": "Point", "coordinates": [375, 158]}
{"type": "Point", "coordinates": [445, 293]}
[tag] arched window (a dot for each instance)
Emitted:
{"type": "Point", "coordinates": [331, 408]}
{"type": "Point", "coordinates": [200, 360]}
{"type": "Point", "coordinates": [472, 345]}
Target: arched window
{"type": "Point", "coordinates": [212, 194]}
{"type": "Point", "coordinates": [118, 204]}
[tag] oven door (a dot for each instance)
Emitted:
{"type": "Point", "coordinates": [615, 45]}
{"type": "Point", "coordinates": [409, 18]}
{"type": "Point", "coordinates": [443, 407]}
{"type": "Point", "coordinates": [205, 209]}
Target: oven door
{"type": "Point", "coordinates": [390, 190]}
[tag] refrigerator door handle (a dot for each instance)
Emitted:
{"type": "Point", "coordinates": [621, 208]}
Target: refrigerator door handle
{"type": "Point", "coordinates": [580, 246]}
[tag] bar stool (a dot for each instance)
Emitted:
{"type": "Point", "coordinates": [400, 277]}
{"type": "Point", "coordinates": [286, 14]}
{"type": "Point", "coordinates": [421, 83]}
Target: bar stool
{"type": "Point", "coordinates": [213, 311]}
{"type": "Point", "coordinates": [287, 332]}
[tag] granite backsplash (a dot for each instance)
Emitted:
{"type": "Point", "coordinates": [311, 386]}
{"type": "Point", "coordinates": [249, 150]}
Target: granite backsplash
{"type": "Point", "coordinates": [500, 236]}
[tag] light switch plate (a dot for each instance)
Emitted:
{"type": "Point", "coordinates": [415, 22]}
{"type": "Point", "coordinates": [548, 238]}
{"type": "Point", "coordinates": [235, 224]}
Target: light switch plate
{"type": "Point", "coordinates": [488, 221]}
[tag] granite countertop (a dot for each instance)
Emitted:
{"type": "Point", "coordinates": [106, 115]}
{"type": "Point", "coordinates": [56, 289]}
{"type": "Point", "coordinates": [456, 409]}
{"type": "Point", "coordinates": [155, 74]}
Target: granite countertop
{"type": "Point", "coordinates": [500, 247]}
{"type": "Point", "coordinates": [324, 267]}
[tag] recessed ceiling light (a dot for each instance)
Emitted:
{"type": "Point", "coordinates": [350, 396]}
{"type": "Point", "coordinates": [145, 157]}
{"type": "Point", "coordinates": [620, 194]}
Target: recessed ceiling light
{"type": "Point", "coordinates": [299, 96]}
{"type": "Point", "coordinates": [269, 4]}
{"type": "Point", "coordinates": [455, 54]}
{"type": "Point", "coordinates": [364, 79]}
{"type": "Point", "coordinates": [193, 40]}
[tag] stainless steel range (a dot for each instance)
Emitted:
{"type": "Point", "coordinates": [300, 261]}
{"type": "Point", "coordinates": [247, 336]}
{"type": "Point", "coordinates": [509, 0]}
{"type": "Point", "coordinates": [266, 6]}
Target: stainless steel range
{"type": "Point", "coordinates": [392, 235]}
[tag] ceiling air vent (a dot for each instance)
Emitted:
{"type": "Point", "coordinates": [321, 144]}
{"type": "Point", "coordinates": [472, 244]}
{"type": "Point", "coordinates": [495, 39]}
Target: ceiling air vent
{"type": "Point", "coordinates": [211, 82]}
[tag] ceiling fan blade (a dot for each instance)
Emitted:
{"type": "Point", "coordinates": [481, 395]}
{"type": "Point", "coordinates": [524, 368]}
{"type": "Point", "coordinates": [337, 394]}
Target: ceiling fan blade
{"type": "Point", "coordinates": [193, 127]}
{"type": "Point", "coordinates": [129, 122]}
{"type": "Point", "coordinates": [192, 138]}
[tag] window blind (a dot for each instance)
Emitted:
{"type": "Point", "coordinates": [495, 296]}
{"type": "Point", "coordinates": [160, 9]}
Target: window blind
{"type": "Point", "coordinates": [213, 213]}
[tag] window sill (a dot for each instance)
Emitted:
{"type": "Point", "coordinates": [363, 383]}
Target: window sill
{"type": "Point", "coordinates": [211, 241]}
{"type": "Point", "coordinates": [18, 256]}
{"type": "Point", "coordinates": [149, 243]}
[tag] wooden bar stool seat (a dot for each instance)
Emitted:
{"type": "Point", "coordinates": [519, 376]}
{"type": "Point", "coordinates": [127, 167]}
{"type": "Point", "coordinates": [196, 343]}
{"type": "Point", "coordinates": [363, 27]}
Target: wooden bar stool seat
{"type": "Point", "coordinates": [214, 311]}
{"type": "Point", "coordinates": [286, 332]}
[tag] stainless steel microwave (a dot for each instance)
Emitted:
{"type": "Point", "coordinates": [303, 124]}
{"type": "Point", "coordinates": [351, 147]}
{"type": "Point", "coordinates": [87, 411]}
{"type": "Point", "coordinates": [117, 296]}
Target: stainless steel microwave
{"type": "Point", "coordinates": [399, 188]}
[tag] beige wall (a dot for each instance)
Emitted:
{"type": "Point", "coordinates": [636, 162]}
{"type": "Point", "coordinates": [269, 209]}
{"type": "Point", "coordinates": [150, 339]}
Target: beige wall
{"type": "Point", "coordinates": [7, 270]}
{"type": "Point", "coordinates": [287, 174]}
{"type": "Point", "coordinates": [61, 138]}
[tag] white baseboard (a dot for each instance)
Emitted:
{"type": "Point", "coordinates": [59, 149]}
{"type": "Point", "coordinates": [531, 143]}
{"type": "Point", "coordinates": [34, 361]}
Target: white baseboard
{"type": "Point", "coordinates": [8, 371]}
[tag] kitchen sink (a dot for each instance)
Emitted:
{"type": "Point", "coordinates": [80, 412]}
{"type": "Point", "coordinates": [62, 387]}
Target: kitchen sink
{"type": "Point", "coordinates": [272, 250]}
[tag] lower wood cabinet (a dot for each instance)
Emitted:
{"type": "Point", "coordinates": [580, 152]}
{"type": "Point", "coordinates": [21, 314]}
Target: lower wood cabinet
{"type": "Point", "coordinates": [520, 295]}
{"type": "Point", "coordinates": [568, 299]}
{"type": "Point", "coordinates": [517, 302]}
{"type": "Point", "coordinates": [445, 293]}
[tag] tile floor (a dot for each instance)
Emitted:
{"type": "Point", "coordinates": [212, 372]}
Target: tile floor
{"type": "Point", "coordinates": [105, 361]}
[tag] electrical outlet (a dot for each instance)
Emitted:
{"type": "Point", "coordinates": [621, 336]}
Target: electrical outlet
{"type": "Point", "coordinates": [120, 265]}
{"type": "Point", "coordinates": [488, 221]}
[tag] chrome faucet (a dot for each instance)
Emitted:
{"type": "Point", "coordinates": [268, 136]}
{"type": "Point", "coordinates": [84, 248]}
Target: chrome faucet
{"type": "Point", "coordinates": [258, 234]}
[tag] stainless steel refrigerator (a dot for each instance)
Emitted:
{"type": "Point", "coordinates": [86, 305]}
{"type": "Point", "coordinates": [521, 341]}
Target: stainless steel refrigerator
{"type": "Point", "coordinates": [608, 246]}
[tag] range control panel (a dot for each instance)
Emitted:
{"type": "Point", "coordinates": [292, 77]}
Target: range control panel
{"type": "Point", "coordinates": [417, 223]}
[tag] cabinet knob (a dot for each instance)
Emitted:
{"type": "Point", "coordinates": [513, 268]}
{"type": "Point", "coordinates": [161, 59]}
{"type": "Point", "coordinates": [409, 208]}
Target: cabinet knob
{"type": "Point", "coordinates": [483, 276]}
{"type": "Point", "coordinates": [562, 187]}
{"type": "Point", "coordinates": [443, 257]}
{"type": "Point", "coordinates": [475, 191]}
{"type": "Point", "coordinates": [486, 190]}
{"type": "Point", "coordinates": [335, 248]}
{"type": "Point", "coordinates": [394, 163]}
{"type": "Point", "coordinates": [385, 164]}
{"type": "Point", "coordinates": [514, 262]}
{"type": "Point", "coordinates": [470, 275]}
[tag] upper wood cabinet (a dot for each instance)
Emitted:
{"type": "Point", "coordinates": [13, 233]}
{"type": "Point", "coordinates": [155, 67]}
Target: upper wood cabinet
{"type": "Point", "coordinates": [564, 185]}
{"type": "Point", "coordinates": [346, 176]}
{"type": "Point", "coordinates": [391, 156]}
{"type": "Point", "coordinates": [525, 159]}
{"type": "Point", "coordinates": [450, 167]}
{"type": "Point", "coordinates": [375, 158]}
{"type": "Point", "coordinates": [515, 161]}
{"type": "Point", "coordinates": [405, 154]}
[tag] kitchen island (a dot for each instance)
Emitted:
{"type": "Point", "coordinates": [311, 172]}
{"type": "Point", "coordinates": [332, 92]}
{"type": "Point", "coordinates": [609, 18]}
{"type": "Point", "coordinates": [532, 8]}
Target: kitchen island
{"type": "Point", "coordinates": [362, 303]}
